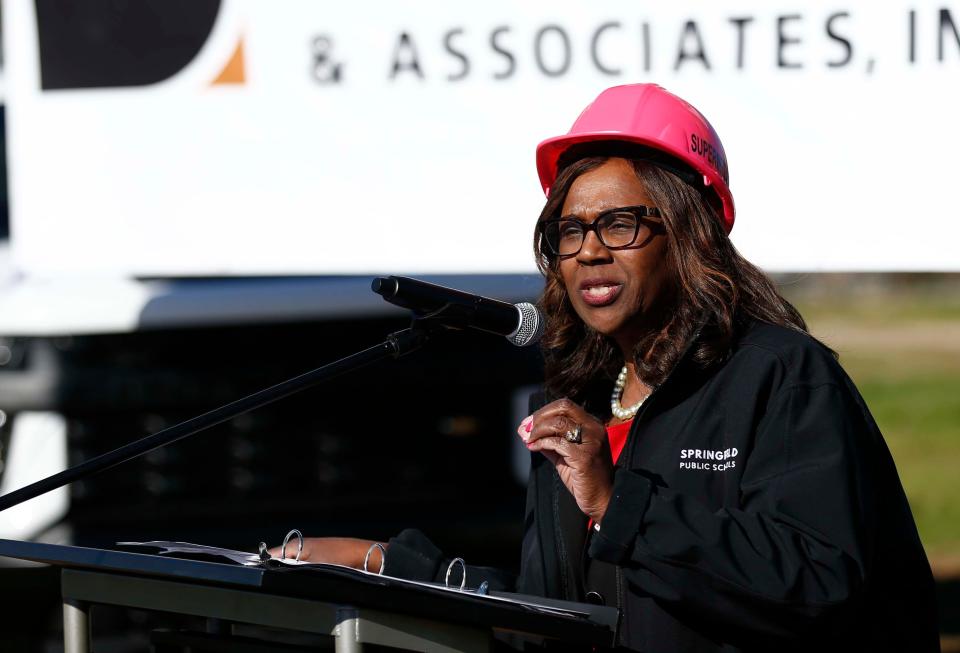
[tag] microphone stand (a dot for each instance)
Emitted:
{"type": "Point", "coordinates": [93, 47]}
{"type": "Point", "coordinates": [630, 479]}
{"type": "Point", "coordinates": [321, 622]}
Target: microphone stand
{"type": "Point", "coordinates": [396, 345]}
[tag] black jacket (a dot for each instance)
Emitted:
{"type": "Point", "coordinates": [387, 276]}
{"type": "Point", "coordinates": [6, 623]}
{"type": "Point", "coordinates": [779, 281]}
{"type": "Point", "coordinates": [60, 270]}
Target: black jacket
{"type": "Point", "coordinates": [756, 508]}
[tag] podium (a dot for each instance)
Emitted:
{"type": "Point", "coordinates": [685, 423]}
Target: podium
{"type": "Point", "coordinates": [352, 607]}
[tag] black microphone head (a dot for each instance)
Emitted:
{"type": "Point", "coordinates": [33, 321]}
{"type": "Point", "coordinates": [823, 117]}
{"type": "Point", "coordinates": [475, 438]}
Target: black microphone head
{"type": "Point", "coordinates": [385, 286]}
{"type": "Point", "coordinates": [531, 326]}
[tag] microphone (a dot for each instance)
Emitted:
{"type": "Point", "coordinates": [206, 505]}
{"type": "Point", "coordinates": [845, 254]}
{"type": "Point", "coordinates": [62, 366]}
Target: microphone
{"type": "Point", "coordinates": [522, 324]}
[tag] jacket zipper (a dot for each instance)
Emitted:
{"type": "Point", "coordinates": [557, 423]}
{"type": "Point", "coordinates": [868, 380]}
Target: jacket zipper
{"type": "Point", "coordinates": [627, 454]}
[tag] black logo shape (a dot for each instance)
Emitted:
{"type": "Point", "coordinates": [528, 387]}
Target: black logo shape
{"type": "Point", "coordinates": [109, 43]}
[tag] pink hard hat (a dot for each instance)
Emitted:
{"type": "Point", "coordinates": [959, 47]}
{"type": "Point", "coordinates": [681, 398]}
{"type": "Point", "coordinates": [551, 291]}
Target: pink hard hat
{"type": "Point", "coordinates": [647, 115]}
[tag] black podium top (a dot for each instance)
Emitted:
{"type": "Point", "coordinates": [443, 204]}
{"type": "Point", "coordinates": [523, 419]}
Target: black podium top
{"type": "Point", "coordinates": [572, 622]}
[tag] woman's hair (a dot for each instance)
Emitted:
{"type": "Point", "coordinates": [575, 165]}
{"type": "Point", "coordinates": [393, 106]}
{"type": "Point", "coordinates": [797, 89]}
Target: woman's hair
{"type": "Point", "coordinates": [712, 291]}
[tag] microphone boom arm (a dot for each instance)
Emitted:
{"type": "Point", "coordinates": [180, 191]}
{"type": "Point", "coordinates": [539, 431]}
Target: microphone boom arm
{"type": "Point", "coordinates": [396, 345]}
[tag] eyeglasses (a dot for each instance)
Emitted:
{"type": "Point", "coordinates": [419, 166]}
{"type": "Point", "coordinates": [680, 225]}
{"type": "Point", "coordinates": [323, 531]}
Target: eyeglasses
{"type": "Point", "coordinates": [617, 229]}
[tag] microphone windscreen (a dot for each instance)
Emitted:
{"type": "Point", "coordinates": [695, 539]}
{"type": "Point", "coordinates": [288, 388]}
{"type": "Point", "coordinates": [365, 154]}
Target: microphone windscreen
{"type": "Point", "coordinates": [531, 326]}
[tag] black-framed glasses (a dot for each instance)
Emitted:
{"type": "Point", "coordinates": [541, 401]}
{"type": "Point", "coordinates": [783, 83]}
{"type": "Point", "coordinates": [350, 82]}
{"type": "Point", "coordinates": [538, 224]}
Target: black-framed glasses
{"type": "Point", "coordinates": [616, 228]}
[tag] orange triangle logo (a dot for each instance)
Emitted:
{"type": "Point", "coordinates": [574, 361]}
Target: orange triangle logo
{"type": "Point", "coordinates": [233, 72]}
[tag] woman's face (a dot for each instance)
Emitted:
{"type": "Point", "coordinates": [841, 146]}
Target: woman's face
{"type": "Point", "coordinates": [615, 292]}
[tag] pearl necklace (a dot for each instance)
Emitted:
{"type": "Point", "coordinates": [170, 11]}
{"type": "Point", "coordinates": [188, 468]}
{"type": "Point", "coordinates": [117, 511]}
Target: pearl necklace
{"type": "Point", "coordinates": [619, 411]}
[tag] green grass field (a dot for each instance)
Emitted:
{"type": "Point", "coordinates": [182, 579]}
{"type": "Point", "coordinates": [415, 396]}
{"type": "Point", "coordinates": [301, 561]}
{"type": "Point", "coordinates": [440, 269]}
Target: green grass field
{"type": "Point", "coordinates": [899, 339]}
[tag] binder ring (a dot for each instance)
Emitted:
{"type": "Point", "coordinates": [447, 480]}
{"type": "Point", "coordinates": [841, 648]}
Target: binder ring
{"type": "Point", "coordinates": [383, 557]}
{"type": "Point", "coordinates": [283, 549]}
{"type": "Point", "coordinates": [463, 579]}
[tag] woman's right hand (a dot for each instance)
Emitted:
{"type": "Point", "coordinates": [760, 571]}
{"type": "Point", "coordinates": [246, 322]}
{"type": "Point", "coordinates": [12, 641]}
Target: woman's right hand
{"type": "Point", "coordinates": [347, 551]}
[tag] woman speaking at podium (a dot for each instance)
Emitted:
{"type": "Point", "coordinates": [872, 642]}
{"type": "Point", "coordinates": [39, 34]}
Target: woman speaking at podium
{"type": "Point", "coordinates": [699, 460]}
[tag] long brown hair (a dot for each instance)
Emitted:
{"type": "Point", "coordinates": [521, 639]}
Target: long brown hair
{"type": "Point", "coordinates": [713, 291]}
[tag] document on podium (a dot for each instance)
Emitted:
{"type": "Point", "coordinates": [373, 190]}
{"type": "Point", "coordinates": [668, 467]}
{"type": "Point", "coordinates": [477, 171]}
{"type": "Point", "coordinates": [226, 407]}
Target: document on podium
{"type": "Point", "coordinates": [248, 559]}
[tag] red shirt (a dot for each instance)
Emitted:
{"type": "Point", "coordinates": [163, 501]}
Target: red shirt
{"type": "Point", "coordinates": [617, 434]}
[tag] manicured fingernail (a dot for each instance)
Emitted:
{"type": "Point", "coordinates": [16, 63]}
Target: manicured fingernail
{"type": "Point", "coordinates": [524, 429]}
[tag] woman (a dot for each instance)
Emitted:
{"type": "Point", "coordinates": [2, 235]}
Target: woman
{"type": "Point", "coordinates": [733, 494]}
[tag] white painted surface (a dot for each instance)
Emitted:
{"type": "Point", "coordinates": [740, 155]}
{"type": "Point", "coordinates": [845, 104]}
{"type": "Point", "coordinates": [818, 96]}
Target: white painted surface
{"type": "Point", "coordinates": [38, 448]}
{"type": "Point", "coordinates": [844, 167]}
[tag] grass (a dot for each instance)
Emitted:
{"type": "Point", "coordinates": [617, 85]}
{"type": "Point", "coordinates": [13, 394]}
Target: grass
{"type": "Point", "coordinates": [919, 418]}
{"type": "Point", "coordinates": [901, 345]}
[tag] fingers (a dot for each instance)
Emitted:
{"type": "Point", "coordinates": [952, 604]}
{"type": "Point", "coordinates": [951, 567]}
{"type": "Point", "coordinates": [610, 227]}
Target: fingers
{"type": "Point", "coordinates": [553, 447]}
{"type": "Point", "coordinates": [277, 551]}
{"type": "Point", "coordinates": [558, 418]}
{"type": "Point", "coordinates": [585, 467]}
{"type": "Point", "coordinates": [309, 546]}
{"type": "Point", "coordinates": [547, 436]}
{"type": "Point", "coordinates": [564, 407]}
{"type": "Point", "coordinates": [552, 427]}
{"type": "Point", "coordinates": [346, 551]}
{"type": "Point", "coordinates": [524, 429]}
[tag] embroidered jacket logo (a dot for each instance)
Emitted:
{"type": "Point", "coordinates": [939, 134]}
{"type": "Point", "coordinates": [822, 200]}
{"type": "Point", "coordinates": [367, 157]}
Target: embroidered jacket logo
{"type": "Point", "coordinates": [708, 459]}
